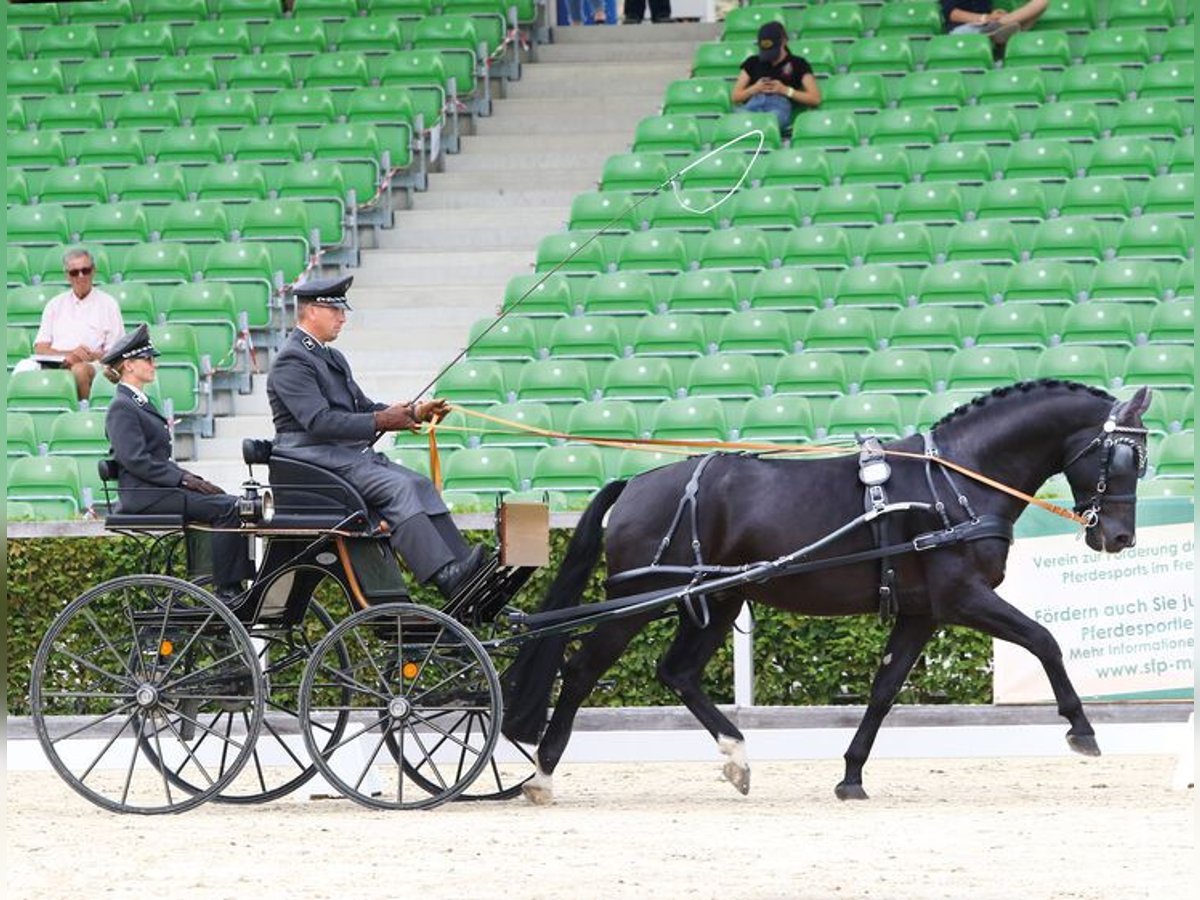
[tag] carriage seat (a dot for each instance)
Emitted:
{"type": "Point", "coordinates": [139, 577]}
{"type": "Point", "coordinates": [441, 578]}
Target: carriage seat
{"type": "Point", "coordinates": [109, 469]}
{"type": "Point", "coordinates": [305, 495]}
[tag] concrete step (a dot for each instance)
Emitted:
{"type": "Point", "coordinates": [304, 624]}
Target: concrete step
{"type": "Point", "coordinates": [507, 144]}
{"type": "Point", "coordinates": [646, 33]}
{"type": "Point", "coordinates": [493, 181]}
{"type": "Point", "coordinates": [470, 200]}
{"type": "Point", "coordinates": [628, 75]}
{"type": "Point", "coordinates": [518, 236]}
{"type": "Point", "coordinates": [677, 53]}
{"type": "Point", "coordinates": [483, 267]}
{"type": "Point", "coordinates": [377, 304]}
{"type": "Point", "coordinates": [498, 165]}
{"type": "Point", "coordinates": [533, 116]}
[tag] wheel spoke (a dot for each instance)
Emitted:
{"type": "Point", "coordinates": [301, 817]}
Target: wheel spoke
{"type": "Point", "coordinates": [446, 735]}
{"type": "Point", "coordinates": [329, 751]}
{"type": "Point", "coordinates": [107, 643]}
{"type": "Point", "coordinates": [137, 715]}
{"type": "Point", "coordinates": [197, 633]}
{"type": "Point", "coordinates": [87, 664]}
{"type": "Point", "coordinates": [371, 759]}
{"type": "Point", "coordinates": [103, 750]}
{"type": "Point", "coordinates": [279, 739]}
{"type": "Point", "coordinates": [466, 667]}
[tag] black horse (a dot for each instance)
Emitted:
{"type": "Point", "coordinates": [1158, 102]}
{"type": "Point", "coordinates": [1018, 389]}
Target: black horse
{"type": "Point", "coordinates": [750, 509]}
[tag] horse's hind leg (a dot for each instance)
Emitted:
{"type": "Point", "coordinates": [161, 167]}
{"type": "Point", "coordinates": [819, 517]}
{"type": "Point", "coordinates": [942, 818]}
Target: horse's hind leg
{"type": "Point", "coordinates": [909, 636]}
{"type": "Point", "coordinates": [681, 668]}
{"type": "Point", "coordinates": [598, 650]}
{"type": "Point", "coordinates": [988, 612]}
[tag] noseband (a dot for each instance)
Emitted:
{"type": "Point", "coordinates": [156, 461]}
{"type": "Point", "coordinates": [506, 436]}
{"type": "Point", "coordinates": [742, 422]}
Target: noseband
{"type": "Point", "coordinates": [1111, 437]}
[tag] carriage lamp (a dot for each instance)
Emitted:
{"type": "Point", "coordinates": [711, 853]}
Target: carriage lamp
{"type": "Point", "coordinates": [256, 503]}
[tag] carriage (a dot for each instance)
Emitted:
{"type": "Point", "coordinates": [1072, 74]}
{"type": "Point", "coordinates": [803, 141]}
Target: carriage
{"type": "Point", "coordinates": [150, 695]}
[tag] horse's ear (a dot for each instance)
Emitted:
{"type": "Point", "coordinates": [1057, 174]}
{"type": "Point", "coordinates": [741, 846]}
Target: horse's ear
{"type": "Point", "coordinates": [1134, 406]}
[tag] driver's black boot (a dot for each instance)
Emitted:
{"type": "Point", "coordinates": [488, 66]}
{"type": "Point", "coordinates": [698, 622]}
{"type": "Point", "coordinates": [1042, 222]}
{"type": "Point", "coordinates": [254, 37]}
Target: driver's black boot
{"type": "Point", "coordinates": [452, 577]}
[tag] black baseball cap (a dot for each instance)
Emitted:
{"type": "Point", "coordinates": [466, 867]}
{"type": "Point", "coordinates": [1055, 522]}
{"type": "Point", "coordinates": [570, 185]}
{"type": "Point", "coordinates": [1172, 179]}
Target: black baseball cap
{"type": "Point", "coordinates": [770, 37]}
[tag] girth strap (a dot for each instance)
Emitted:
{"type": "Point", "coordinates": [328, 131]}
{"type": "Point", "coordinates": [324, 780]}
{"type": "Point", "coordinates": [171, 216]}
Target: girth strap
{"type": "Point", "coordinates": [696, 606]}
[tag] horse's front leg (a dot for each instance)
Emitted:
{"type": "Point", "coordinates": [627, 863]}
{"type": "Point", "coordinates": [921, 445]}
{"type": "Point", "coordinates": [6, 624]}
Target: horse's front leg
{"type": "Point", "coordinates": [909, 636]}
{"type": "Point", "coordinates": [598, 650]}
{"type": "Point", "coordinates": [681, 668]}
{"type": "Point", "coordinates": [985, 610]}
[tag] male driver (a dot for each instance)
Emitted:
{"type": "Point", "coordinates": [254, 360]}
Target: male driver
{"type": "Point", "coordinates": [79, 325]}
{"type": "Point", "coordinates": [774, 80]}
{"type": "Point", "coordinates": [323, 417]}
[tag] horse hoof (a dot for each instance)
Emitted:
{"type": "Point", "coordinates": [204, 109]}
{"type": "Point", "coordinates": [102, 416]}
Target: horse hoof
{"type": "Point", "coordinates": [1083, 744]}
{"type": "Point", "coordinates": [537, 795]}
{"type": "Point", "coordinates": [738, 776]}
{"type": "Point", "coordinates": [846, 791]}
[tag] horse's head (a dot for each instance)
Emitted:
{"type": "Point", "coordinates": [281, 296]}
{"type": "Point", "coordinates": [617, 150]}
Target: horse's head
{"type": "Point", "coordinates": [1104, 470]}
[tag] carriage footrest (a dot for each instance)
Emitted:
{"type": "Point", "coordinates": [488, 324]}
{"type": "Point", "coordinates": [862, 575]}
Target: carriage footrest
{"type": "Point", "coordinates": [488, 592]}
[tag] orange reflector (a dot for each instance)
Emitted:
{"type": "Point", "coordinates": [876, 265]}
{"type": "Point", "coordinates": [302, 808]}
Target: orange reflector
{"type": "Point", "coordinates": [166, 648]}
{"type": "Point", "coordinates": [410, 670]}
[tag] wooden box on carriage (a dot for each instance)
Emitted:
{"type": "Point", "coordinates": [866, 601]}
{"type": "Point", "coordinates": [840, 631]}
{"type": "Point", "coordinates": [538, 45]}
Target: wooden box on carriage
{"type": "Point", "coordinates": [524, 534]}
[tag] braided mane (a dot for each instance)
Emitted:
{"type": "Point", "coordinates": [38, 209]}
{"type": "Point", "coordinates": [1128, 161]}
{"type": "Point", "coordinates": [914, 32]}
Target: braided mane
{"type": "Point", "coordinates": [1022, 387]}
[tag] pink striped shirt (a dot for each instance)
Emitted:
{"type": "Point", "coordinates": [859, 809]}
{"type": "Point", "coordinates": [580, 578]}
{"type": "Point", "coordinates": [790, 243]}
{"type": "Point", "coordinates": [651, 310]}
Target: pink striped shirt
{"type": "Point", "coordinates": [69, 322]}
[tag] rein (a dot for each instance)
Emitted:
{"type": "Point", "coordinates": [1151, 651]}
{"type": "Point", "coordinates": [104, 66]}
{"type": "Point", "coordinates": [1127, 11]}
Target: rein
{"type": "Point", "coordinates": [683, 447]}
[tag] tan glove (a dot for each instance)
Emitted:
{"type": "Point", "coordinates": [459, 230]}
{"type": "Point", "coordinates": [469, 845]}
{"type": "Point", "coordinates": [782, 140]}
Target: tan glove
{"type": "Point", "coordinates": [432, 410]}
{"type": "Point", "coordinates": [195, 483]}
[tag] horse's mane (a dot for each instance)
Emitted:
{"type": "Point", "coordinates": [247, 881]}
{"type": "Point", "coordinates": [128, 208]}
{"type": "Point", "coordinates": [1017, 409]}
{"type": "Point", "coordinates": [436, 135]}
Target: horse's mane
{"type": "Point", "coordinates": [1022, 387]}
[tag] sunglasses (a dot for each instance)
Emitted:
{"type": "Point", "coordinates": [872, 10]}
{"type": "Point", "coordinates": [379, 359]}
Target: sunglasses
{"type": "Point", "coordinates": [79, 273]}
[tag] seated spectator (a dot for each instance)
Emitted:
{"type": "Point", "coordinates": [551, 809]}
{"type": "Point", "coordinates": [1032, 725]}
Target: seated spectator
{"type": "Point", "coordinates": [979, 17]}
{"type": "Point", "coordinates": [78, 326]}
{"type": "Point", "coordinates": [774, 81]}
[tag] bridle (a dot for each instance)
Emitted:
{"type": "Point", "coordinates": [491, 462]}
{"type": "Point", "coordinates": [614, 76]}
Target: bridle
{"type": "Point", "coordinates": [1111, 437]}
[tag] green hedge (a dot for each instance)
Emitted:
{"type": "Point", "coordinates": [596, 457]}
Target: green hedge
{"type": "Point", "coordinates": [797, 660]}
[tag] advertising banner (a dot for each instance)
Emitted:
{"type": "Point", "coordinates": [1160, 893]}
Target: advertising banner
{"type": "Point", "coordinates": [1125, 621]}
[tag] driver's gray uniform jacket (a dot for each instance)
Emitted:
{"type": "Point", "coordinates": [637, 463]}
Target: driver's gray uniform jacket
{"type": "Point", "coordinates": [322, 416]}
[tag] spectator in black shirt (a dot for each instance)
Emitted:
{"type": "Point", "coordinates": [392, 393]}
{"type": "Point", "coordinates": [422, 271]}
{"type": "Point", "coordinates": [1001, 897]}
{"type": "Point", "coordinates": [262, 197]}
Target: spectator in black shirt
{"type": "Point", "coordinates": [979, 17]}
{"type": "Point", "coordinates": [774, 81]}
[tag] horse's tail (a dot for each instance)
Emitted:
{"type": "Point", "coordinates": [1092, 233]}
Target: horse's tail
{"type": "Point", "coordinates": [528, 681]}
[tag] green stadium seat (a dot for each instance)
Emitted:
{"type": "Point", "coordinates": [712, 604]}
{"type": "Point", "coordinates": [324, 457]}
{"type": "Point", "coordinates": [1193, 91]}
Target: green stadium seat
{"type": "Point", "coordinates": [742, 23]}
{"type": "Point", "coordinates": [233, 181]}
{"type": "Point", "coordinates": [854, 92]}
{"type": "Point", "coordinates": [1044, 49]}
{"type": "Point", "coordinates": [539, 296]}
{"type": "Point", "coordinates": [143, 40]}
{"type": "Point", "coordinates": [963, 163]}
{"type": "Point", "coordinates": [208, 309]}
{"type": "Point", "coordinates": [926, 327]}
{"type": "Point", "coordinates": [1070, 121]}
{"type": "Point", "coordinates": [656, 250]}
{"type": "Point", "coordinates": [222, 37]}
{"type": "Point", "coordinates": [797, 168]}
{"type": "Point", "coordinates": [620, 293]}
{"type": "Point", "coordinates": [586, 337]}
{"type": "Point", "coordinates": [788, 288]}
{"type": "Point", "coordinates": [154, 109]}
{"type": "Point", "coordinates": [1128, 280]}
{"type": "Point", "coordinates": [35, 78]}
{"type": "Point", "coordinates": [16, 44]}
{"type": "Point", "coordinates": [18, 187]}
{"type": "Point", "coordinates": [66, 42]}
{"type": "Point", "coordinates": [111, 75]}
{"type": "Point", "coordinates": [610, 419]}
{"type": "Point", "coordinates": [1074, 362]}
{"type": "Point", "coordinates": [1101, 324]}
{"type": "Point", "coordinates": [811, 375]}
{"type": "Point", "coordinates": [1017, 87]}
{"type": "Point", "coordinates": [1076, 15]}
{"type": "Point", "coordinates": [781, 418]}
{"type": "Point", "coordinates": [690, 418]}
{"type": "Point", "coordinates": [904, 243]}
{"type": "Point", "coordinates": [482, 469]}
{"type": "Point", "coordinates": [735, 125]}
{"type": "Point", "coordinates": [1127, 157]}
{"type": "Point", "coordinates": [698, 96]}
{"type": "Point", "coordinates": [959, 52]}
{"type": "Point", "coordinates": [1155, 237]}
{"type": "Point", "coordinates": [347, 69]}
{"type": "Point", "coordinates": [832, 20]}
{"type": "Point", "coordinates": [571, 468]}
{"type": "Point", "coordinates": [1019, 200]}
{"type": "Point", "coordinates": [1077, 238]}
{"type": "Point", "coordinates": [938, 88]}
{"type": "Point", "coordinates": [670, 335]}
{"type": "Point", "coordinates": [1140, 13]}
{"type": "Point", "coordinates": [1166, 366]}
{"type": "Point", "coordinates": [678, 133]}
{"type": "Point", "coordinates": [823, 247]}
{"type": "Point", "coordinates": [1047, 282]}
{"type": "Point", "coordinates": [874, 414]}
{"type": "Point", "coordinates": [225, 108]}
{"type": "Point", "coordinates": [43, 394]}
{"type": "Point", "coordinates": [70, 112]}
{"type": "Point", "coordinates": [74, 185]}
{"type": "Point", "coordinates": [886, 55]}
{"type": "Point", "coordinates": [638, 378]}
{"type": "Point", "coordinates": [35, 149]}
{"type": "Point", "coordinates": [326, 10]}
{"type": "Point", "coordinates": [17, 266]}
{"type": "Point", "coordinates": [25, 303]}
{"type": "Point", "coordinates": [1149, 118]}
{"type": "Point", "coordinates": [843, 329]}
{"type": "Point", "coordinates": [820, 52]}
{"type": "Point", "coordinates": [49, 484]}
{"type": "Point", "coordinates": [756, 331]}
{"type": "Point", "coordinates": [888, 166]}
{"type": "Point", "coordinates": [156, 183]}
{"type": "Point", "coordinates": [720, 59]}
{"type": "Point", "coordinates": [198, 145]}
{"type": "Point", "coordinates": [16, 114]}
{"type": "Point", "coordinates": [703, 291]}
{"type": "Point", "coordinates": [983, 368]}
{"type": "Point", "coordinates": [915, 127]}
{"type": "Point", "coordinates": [1018, 325]}
{"type": "Point", "coordinates": [370, 34]}
{"type": "Point", "coordinates": [571, 253]}
{"type": "Point", "coordinates": [1183, 157]}
{"type": "Point", "coordinates": [642, 172]}
{"type": "Point", "coordinates": [136, 300]}
{"type": "Point", "coordinates": [41, 224]}
{"type": "Point", "coordinates": [1094, 83]}
{"type": "Point", "coordinates": [188, 12]}
{"type": "Point", "coordinates": [263, 72]}
{"type": "Point", "coordinates": [179, 367]}
{"type": "Point", "coordinates": [202, 221]}
{"type": "Point", "coordinates": [1173, 323]}
{"type": "Point", "coordinates": [989, 240]}
{"type": "Point", "coordinates": [277, 220]}
{"type": "Point", "coordinates": [79, 434]}
{"type": "Point", "coordinates": [898, 370]}
{"type": "Point", "coordinates": [1175, 458]}
{"type": "Point", "coordinates": [162, 262]}
{"type": "Point", "coordinates": [693, 210]}
{"type": "Point", "coordinates": [718, 171]}
{"type": "Point", "coordinates": [996, 124]}
{"type": "Point", "coordinates": [32, 15]}
{"type": "Point", "coordinates": [293, 36]}
{"type": "Point", "coordinates": [1100, 198]}
{"type": "Point", "coordinates": [828, 130]}
{"type": "Point", "coordinates": [740, 248]}
{"type": "Point", "coordinates": [267, 143]}
{"type": "Point", "coordinates": [765, 207]}
{"type": "Point", "coordinates": [1175, 80]}
{"type": "Point", "coordinates": [458, 430]}
{"type": "Point", "coordinates": [1117, 46]}
{"type": "Point", "coordinates": [473, 383]}
{"type": "Point", "coordinates": [849, 205]}
{"type": "Point", "coordinates": [909, 19]}
{"type": "Point", "coordinates": [613, 212]}
{"type": "Point", "coordinates": [115, 223]}
{"type": "Point", "coordinates": [555, 381]}
{"type": "Point", "coordinates": [99, 11]}
{"type": "Point", "coordinates": [116, 147]}
{"type": "Point", "coordinates": [728, 376]}
{"type": "Point", "coordinates": [964, 284]}
{"type": "Point", "coordinates": [1180, 44]}
{"type": "Point", "coordinates": [21, 436]}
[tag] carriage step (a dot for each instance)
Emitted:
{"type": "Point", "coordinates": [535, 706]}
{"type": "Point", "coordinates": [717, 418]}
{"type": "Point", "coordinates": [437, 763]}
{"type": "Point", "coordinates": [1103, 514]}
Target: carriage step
{"type": "Point", "coordinates": [488, 592]}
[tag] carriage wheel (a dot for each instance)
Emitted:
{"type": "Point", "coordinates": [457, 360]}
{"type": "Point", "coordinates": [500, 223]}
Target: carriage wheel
{"type": "Point", "coordinates": [417, 681]}
{"type": "Point", "coordinates": [510, 765]}
{"type": "Point", "coordinates": [280, 764]}
{"type": "Point", "coordinates": [144, 661]}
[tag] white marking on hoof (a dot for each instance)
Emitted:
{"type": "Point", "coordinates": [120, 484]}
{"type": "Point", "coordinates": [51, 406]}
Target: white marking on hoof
{"type": "Point", "coordinates": [539, 789]}
{"type": "Point", "coordinates": [736, 769]}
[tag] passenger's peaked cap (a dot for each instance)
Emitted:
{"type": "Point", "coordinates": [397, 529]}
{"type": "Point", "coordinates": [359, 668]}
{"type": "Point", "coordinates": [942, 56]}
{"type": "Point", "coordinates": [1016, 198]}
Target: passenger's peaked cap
{"type": "Point", "coordinates": [134, 345]}
{"type": "Point", "coordinates": [324, 291]}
